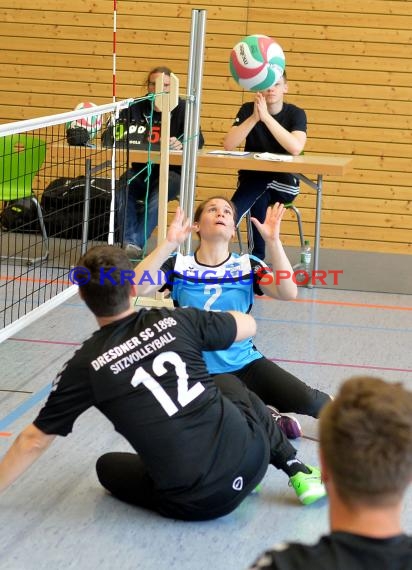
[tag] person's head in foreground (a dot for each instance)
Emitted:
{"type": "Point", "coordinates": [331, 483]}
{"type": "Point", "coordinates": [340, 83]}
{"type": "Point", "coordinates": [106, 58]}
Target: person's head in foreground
{"type": "Point", "coordinates": [366, 459]}
{"type": "Point", "coordinates": [366, 443]}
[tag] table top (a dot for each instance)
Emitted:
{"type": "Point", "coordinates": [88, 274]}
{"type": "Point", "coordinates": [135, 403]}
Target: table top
{"type": "Point", "coordinates": [314, 164]}
{"type": "Point", "coordinates": [303, 164]}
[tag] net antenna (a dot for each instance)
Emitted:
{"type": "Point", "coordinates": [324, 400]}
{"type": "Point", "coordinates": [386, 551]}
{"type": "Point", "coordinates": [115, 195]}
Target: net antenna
{"type": "Point", "coordinates": [114, 48]}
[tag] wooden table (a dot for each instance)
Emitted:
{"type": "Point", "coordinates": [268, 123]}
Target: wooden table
{"type": "Point", "coordinates": [301, 166]}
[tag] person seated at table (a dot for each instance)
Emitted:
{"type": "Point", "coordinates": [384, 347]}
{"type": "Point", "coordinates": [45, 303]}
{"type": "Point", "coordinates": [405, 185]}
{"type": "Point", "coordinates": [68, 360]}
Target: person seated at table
{"type": "Point", "coordinates": [366, 458]}
{"type": "Point", "coordinates": [214, 279]}
{"type": "Point", "coordinates": [137, 229]}
{"type": "Point", "coordinates": [267, 124]}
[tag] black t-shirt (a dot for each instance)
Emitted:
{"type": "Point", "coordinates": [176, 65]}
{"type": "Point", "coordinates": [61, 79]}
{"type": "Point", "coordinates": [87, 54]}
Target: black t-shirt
{"type": "Point", "coordinates": [340, 551]}
{"type": "Point", "coordinates": [260, 139]}
{"type": "Point", "coordinates": [145, 373]}
{"type": "Point", "coordinates": [140, 112]}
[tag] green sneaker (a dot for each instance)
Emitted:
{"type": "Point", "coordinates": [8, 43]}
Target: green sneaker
{"type": "Point", "coordinates": [308, 486]}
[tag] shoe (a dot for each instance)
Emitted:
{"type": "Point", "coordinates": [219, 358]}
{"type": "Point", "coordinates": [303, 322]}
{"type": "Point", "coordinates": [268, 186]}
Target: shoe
{"type": "Point", "coordinates": [308, 486]}
{"type": "Point", "coordinates": [288, 424]}
{"type": "Point", "coordinates": [133, 252]}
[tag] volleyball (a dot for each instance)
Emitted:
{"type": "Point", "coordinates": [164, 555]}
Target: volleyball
{"type": "Point", "coordinates": [92, 123]}
{"type": "Point", "coordinates": [257, 62]}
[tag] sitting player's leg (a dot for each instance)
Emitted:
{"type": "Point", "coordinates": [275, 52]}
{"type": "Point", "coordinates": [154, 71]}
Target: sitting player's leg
{"type": "Point", "coordinates": [125, 476]}
{"type": "Point", "coordinates": [281, 389]}
{"type": "Point", "coordinates": [305, 479]}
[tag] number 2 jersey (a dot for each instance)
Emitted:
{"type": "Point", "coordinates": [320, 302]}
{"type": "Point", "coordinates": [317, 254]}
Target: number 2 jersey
{"type": "Point", "coordinates": [230, 286]}
{"type": "Point", "coordinates": [146, 374]}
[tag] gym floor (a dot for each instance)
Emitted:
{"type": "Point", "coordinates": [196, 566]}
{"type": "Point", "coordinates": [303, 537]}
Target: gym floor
{"type": "Point", "coordinates": [58, 516]}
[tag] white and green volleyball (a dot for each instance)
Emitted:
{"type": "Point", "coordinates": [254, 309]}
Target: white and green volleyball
{"type": "Point", "coordinates": [257, 62]}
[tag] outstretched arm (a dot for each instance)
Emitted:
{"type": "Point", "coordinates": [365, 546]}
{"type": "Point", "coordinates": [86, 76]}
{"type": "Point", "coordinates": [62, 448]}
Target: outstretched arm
{"type": "Point", "coordinates": [281, 286]}
{"type": "Point", "coordinates": [178, 231]}
{"type": "Point", "coordinates": [27, 447]}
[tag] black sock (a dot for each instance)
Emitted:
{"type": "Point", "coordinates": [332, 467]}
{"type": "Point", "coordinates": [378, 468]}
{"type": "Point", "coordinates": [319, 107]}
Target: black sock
{"type": "Point", "coordinates": [293, 466]}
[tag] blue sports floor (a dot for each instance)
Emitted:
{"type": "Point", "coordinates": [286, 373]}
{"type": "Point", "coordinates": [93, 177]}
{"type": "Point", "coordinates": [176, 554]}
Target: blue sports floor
{"type": "Point", "coordinates": [58, 517]}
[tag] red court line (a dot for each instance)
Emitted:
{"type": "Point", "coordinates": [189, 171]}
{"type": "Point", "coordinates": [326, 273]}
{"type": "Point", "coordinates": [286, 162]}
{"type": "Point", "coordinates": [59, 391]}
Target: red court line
{"type": "Point", "coordinates": [312, 363]}
{"type": "Point", "coordinates": [5, 433]}
{"type": "Point", "coordinates": [34, 280]}
{"type": "Point", "coordinates": [45, 341]}
{"type": "Point", "coordinates": [343, 365]}
{"type": "Point", "coordinates": [344, 304]}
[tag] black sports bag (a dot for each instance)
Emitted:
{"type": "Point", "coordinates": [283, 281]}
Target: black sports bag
{"type": "Point", "coordinates": [63, 208]}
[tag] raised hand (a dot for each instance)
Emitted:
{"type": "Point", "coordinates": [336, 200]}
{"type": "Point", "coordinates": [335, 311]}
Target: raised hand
{"type": "Point", "coordinates": [256, 115]}
{"type": "Point", "coordinates": [270, 229]}
{"type": "Point", "coordinates": [179, 228]}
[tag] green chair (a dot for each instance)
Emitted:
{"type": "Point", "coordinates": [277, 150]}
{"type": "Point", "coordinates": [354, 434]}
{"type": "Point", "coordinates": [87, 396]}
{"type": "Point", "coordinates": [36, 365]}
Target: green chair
{"type": "Point", "coordinates": [21, 157]}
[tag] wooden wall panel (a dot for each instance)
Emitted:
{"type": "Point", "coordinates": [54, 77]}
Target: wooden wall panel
{"type": "Point", "coordinates": [349, 66]}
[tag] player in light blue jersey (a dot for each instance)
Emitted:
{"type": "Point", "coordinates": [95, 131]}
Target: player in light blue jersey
{"type": "Point", "coordinates": [215, 279]}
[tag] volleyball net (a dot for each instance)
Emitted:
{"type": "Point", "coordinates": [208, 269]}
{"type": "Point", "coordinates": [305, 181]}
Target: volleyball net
{"type": "Point", "coordinates": [58, 186]}
{"type": "Point", "coordinates": [59, 180]}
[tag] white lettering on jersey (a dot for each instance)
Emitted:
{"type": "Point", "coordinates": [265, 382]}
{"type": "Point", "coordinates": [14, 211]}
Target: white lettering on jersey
{"type": "Point", "coordinates": [213, 297]}
{"type": "Point", "coordinates": [185, 395]}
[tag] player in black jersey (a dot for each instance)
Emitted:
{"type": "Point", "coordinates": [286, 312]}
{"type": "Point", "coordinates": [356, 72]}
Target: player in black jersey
{"type": "Point", "coordinates": [201, 445]}
{"type": "Point", "coordinates": [217, 279]}
{"type": "Point", "coordinates": [366, 456]}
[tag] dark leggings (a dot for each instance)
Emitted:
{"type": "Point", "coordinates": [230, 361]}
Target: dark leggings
{"type": "Point", "coordinates": [279, 388]}
{"type": "Point", "coordinates": [255, 195]}
{"type": "Point", "coordinates": [125, 476]}
{"type": "Point", "coordinates": [251, 405]}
